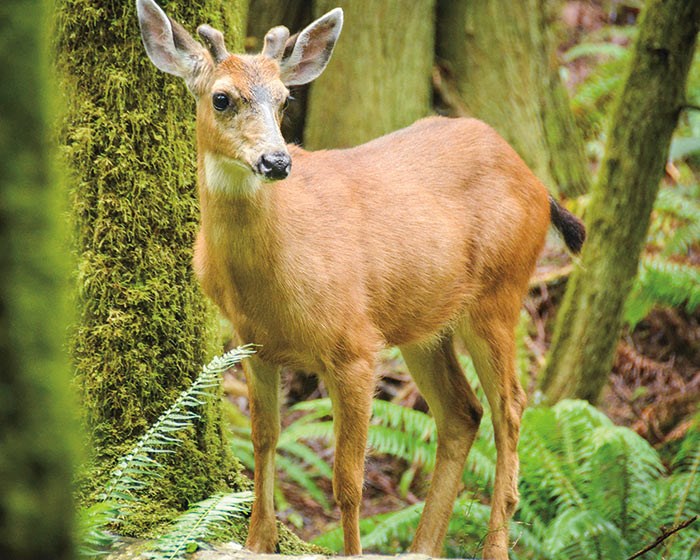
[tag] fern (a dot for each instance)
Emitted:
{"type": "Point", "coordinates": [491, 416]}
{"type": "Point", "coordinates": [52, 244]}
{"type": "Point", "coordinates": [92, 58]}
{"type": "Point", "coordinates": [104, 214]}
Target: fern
{"type": "Point", "coordinates": [191, 529]}
{"type": "Point", "coordinates": [397, 526]}
{"type": "Point", "coordinates": [590, 489]}
{"type": "Point", "coordinates": [675, 223]}
{"type": "Point", "coordinates": [662, 282]}
{"type": "Point", "coordinates": [301, 464]}
{"type": "Point", "coordinates": [138, 469]}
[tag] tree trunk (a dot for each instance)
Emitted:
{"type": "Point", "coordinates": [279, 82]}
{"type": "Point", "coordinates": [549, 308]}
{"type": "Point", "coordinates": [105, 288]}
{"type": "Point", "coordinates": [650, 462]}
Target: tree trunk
{"type": "Point", "coordinates": [379, 77]}
{"type": "Point", "coordinates": [37, 432]}
{"type": "Point", "coordinates": [144, 329]}
{"type": "Point", "coordinates": [501, 58]}
{"type": "Point", "coordinates": [589, 321]}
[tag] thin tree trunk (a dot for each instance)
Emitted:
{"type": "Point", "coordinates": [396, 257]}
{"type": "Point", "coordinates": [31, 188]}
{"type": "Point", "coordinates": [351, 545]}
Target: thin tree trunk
{"type": "Point", "coordinates": [500, 55]}
{"type": "Point", "coordinates": [589, 321]}
{"type": "Point", "coordinates": [37, 433]}
{"type": "Point", "coordinates": [143, 329]}
{"type": "Point", "coordinates": [379, 77]}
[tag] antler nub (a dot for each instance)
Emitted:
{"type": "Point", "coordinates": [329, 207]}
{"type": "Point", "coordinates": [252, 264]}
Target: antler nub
{"type": "Point", "coordinates": [275, 40]}
{"type": "Point", "coordinates": [214, 41]}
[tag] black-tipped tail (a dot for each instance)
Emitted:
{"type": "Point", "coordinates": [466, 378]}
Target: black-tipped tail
{"type": "Point", "coordinates": [571, 228]}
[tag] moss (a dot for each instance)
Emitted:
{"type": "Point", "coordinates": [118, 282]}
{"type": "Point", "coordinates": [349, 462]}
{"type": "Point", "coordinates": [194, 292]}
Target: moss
{"type": "Point", "coordinates": [590, 318]}
{"type": "Point", "coordinates": [144, 328]}
{"type": "Point", "coordinates": [37, 433]}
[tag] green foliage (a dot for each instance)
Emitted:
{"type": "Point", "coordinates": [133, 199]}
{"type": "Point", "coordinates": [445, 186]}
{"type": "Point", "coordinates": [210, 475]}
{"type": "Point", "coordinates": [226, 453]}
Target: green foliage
{"type": "Point", "coordinates": [389, 533]}
{"type": "Point", "coordinates": [193, 528]}
{"type": "Point", "coordinates": [589, 489]}
{"type": "Point", "coordinates": [592, 100]}
{"type": "Point", "coordinates": [663, 279]}
{"type": "Point", "coordinates": [139, 470]}
{"type": "Point", "coordinates": [300, 463]}
{"type": "Point", "coordinates": [610, 54]}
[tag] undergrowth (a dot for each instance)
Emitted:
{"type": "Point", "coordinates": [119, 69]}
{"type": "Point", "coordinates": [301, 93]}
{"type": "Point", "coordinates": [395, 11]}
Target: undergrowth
{"type": "Point", "coordinates": [589, 489]}
{"type": "Point", "coordinates": [140, 469]}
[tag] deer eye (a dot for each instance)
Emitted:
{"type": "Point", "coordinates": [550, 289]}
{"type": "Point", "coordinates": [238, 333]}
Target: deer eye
{"type": "Point", "coordinates": [220, 101]}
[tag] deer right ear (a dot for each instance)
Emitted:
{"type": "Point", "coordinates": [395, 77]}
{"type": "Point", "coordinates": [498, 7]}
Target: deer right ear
{"type": "Point", "coordinates": [306, 54]}
{"type": "Point", "coordinates": [167, 43]}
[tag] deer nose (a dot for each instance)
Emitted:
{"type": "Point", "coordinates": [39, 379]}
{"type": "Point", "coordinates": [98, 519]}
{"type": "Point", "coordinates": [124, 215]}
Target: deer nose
{"type": "Point", "coordinates": [276, 165]}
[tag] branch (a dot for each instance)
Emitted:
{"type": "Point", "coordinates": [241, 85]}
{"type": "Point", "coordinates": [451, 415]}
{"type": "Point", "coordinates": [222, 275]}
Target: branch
{"type": "Point", "coordinates": [551, 276]}
{"type": "Point", "coordinates": [664, 536]}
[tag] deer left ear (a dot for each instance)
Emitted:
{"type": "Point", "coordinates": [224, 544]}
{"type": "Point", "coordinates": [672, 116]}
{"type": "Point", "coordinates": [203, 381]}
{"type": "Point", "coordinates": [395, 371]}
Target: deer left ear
{"type": "Point", "coordinates": [307, 53]}
{"type": "Point", "coordinates": [168, 45]}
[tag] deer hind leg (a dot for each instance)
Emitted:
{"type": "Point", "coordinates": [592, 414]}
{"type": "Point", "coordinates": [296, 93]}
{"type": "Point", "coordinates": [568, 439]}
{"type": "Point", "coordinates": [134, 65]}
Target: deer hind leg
{"type": "Point", "coordinates": [457, 414]}
{"type": "Point", "coordinates": [490, 339]}
{"type": "Point", "coordinates": [263, 389]}
{"type": "Point", "coordinates": [351, 387]}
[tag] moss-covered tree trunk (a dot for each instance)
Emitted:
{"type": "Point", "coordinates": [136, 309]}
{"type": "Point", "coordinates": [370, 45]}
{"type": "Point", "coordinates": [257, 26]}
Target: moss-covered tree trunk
{"type": "Point", "coordinates": [500, 56]}
{"type": "Point", "coordinates": [143, 328]}
{"type": "Point", "coordinates": [37, 434]}
{"type": "Point", "coordinates": [589, 321]}
{"type": "Point", "coordinates": [379, 77]}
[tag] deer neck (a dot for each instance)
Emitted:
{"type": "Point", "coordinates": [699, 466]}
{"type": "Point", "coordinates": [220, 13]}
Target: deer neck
{"type": "Point", "coordinates": [236, 207]}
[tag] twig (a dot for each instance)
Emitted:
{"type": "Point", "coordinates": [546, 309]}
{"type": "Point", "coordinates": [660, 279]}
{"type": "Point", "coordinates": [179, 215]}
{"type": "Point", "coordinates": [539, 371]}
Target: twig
{"type": "Point", "coordinates": [664, 536]}
{"type": "Point", "coordinates": [552, 276]}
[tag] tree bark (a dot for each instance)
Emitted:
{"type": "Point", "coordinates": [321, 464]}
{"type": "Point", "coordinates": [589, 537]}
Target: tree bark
{"type": "Point", "coordinates": [378, 79]}
{"type": "Point", "coordinates": [500, 56]}
{"type": "Point", "coordinates": [37, 432]}
{"type": "Point", "coordinates": [589, 320]}
{"type": "Point", "coordinates": [144, 329]}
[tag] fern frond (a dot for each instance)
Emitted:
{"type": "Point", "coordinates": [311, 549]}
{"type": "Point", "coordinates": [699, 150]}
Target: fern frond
{"type": "Point", "coordinates": [303, 479]}
{"type": "Point", "coordinates": [625, 467]}
{"type": "Point", "coordinates": [543, 464]}
{"type": "Point", "coordinates": [660, 281]}
{"type": "Point", "coordinates": [468, 526]}
{"type": "Point", "coordinates": [581, 533]}
{"type": "Point", "coordinates": [93, 538]}
{"type": "Point", "coordinates": [607, 50]}
{"type": "Point", "coordinates": [192, 528]}
{"type": "Point", "coordinates": [307, 455]}
{"type": "Point", "coordinates": [137, 469]}
{"type": "Point", "coordinates": [395, 526]}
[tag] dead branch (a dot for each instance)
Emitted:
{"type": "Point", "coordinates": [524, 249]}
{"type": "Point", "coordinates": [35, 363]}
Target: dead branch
{"type": "Point", "coordinates": [661, 538]}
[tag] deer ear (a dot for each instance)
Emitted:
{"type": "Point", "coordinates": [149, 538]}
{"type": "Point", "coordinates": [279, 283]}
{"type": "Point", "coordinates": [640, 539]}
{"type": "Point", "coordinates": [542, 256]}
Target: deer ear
{"type": "Point", "coordinates": [307, 53]}
{"type": "Point", "coordinates": [168, 45]}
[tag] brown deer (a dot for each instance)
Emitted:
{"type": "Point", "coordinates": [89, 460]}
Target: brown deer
{"type": "Point", "coordinates": [321, 258]}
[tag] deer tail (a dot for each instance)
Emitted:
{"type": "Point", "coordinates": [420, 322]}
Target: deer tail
{"type": "Point", "coordinates": [571, 228]}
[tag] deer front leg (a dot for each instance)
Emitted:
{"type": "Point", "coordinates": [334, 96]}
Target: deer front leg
{"type": "Point", "coordinates": [351, 387]}
{"type": "Point", "coordinates": [263, 393]}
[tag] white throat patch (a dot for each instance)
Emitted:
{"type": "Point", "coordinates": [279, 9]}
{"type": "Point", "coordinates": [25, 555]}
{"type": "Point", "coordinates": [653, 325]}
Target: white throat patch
{"type": "Point", "coordinates": [227, 176]}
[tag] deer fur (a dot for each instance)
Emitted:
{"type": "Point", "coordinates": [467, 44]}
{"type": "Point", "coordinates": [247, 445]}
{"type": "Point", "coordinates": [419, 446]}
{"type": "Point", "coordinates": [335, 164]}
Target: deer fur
{"type": "Point", "coordinates": [415, 238]}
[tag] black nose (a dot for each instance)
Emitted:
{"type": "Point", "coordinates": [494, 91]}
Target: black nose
{"type": "Point", "coordinates": [276, 165]}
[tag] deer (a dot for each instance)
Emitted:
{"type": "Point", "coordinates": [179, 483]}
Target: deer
{"type": "Point", "coordinates": [321, 258]}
